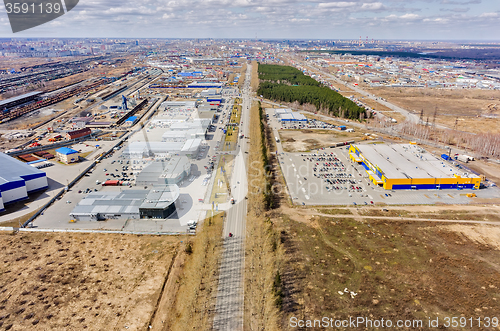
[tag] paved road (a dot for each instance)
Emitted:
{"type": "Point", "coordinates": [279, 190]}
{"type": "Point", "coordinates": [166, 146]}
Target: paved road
{"type": "Point", "coordinates": [230, 299]}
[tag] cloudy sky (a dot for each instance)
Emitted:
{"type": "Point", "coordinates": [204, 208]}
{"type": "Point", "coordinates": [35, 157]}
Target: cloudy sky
{"type": "Point", "coordinates": [294, 19]}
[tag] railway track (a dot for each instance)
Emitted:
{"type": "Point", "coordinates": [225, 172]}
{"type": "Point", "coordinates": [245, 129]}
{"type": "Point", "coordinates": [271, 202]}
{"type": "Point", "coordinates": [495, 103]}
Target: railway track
{"type": "Point", "coordinates": [15, 113]}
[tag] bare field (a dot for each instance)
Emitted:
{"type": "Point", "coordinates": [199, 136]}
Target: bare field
{"type": "Point", "coordinates": [189, 297]}
{"type": "Point", "coordinates": [81, 281]}
{"type": "Point", "coordinates": [395, 270]}
{"type": "Point", "coordinates": [304, 140]}
{"type": "Point", "coordinates": [466, 104]}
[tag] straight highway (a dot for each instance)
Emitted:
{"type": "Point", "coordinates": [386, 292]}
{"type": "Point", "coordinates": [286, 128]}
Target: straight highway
{"type": "Point", "coordinates": [230, 293]}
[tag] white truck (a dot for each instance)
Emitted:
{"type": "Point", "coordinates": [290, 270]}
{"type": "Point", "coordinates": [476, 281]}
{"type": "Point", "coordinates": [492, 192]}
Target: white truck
{"type": "Point", "coordinates": [277, 139]}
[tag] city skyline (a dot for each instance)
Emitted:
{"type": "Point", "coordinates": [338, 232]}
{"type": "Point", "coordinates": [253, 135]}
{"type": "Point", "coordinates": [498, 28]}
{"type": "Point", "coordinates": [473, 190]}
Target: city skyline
{"type": "Point", "coordinates": [277, 19]}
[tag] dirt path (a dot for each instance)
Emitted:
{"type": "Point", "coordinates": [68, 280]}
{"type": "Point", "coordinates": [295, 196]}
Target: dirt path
{"type": "Point", "coordinates": [354, 280]}
{"type": "Point", "coordinates": [405, 219]}
{"type": "Point", "coordinates": [169, 293]}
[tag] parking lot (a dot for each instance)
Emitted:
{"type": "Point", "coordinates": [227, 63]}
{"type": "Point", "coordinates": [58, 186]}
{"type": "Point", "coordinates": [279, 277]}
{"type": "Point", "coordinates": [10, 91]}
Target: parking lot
{"type": "Point", "coordinates": [328, 177]}
{"type": "Point", "coordinates": [310, 124]}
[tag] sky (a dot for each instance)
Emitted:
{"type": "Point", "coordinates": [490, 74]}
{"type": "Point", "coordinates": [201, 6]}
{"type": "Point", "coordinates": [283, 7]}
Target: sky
{"type": "Point", "coordinates": [264, 19]}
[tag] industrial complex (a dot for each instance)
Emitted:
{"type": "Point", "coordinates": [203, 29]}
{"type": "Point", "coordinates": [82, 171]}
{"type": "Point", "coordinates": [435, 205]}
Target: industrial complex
{"type": "Point", "coordinates": [409, 167]}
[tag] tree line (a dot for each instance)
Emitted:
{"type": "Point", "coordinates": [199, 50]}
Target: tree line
{"type": "Point", "coordinates": [287, 84]}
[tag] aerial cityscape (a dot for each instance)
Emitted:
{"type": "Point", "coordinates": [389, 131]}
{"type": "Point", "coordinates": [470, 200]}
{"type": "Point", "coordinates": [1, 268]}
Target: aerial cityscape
{"type": "Point", "coordinates": [298, 166]}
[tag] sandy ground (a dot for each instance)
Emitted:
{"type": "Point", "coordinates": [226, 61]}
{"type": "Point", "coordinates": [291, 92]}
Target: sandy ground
{"type": "Point", "coordinates": [489, 169]}
{"type": "Point", "coordinates": [81, 281]}
{"type": "Point", "coordinates": [304, 140]}
{"type": "Point", "coordinates": [485, 235]}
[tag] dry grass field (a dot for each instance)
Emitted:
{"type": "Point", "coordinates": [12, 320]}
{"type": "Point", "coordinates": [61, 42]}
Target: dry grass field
{"type": "Point", "coordinates": [397, 269]}
{"type": "Point", "coordinates": [305, 140]}
{"type": "Point", "coordinates": [471, 106]}
{"type": "Point", "coordinates": [81, 281]}
{"type": "Point", "coordinates": [254, 82]}
{"type": "Point", "coordinates": [262, 250]}
{"type": "Point", "coordinates": [243, 71]}
{"type": "Point", "coordinates": [189, 296]}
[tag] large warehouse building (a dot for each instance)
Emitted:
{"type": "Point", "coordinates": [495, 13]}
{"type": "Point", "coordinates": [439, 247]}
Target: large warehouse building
{"type": "Point", "coordinates": [409, 167]}
{"type": "Point", "coordinates": [142, 149]}
{"type": "Point", "coordinates": [287, 115]}
{"type": "Point", "coordinates": [169, 171]}
{"type": "Point", "coordinates": [159, 202]}
{"type": "Point", "coordinates": [18, 180]}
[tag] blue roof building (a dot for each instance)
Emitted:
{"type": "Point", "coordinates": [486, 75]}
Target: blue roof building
{"type": "Point", "coordinates": [66, 151]}
{"type": "Point", "coordinates": [67, 155]}
{"type": "Point", "coordinates": [131, 120]}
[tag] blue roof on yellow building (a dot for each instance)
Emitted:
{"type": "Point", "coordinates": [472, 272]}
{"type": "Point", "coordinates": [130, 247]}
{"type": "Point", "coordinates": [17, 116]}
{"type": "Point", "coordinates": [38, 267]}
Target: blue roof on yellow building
{"type": "Point", "coordinates": [66, 151]}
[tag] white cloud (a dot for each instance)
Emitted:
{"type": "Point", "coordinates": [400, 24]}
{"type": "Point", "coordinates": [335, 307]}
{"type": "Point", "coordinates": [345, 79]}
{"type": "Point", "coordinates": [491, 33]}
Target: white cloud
{"type": "Point", "coordinates": [454, 2]}
{"type": "Point", "coordinates": [439, 20]}
{"type": "Point", "coordinates": [337, 4]}
{"type": "Point", "coordinates": [373, 6]}
{"type": "Point", "coordinates": [489, 15]}
{"type": "Point", "coordinates": [409, 17]}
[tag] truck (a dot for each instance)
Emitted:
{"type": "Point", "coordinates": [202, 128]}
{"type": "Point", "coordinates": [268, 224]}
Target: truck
{"type": "Point", "coordinates": [192, 224]}
{"type": "Point", "coordinates": [277, 139]}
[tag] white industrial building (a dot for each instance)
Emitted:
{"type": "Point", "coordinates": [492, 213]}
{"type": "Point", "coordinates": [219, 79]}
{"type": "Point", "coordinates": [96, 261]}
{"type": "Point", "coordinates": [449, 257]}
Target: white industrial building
{"type": "Point", "coordinates": [182, 136]}
{"type": "Point", "coordinates": [210, 92]}
{"type": "Point", "coordinates": [161, 172]}
{"type": "Point", "coordinates": [287, 115]}
{"type": "Point", "coordinates": [200, 124]}
{"type": "Point", "coordinates": [18, 180]}
{"type": "Point", "coordinates": [159, 149]}
{"type": "Point", "coordinates": [159, 202]}
{"type": "Point", "coordinates": [188, 105]}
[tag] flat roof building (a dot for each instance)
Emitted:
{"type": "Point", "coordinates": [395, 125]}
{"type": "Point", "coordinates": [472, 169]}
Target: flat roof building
{"type": "Point", "coordinates": [142, 149]}
{"type": "Point", "coordinates": [158, 202]}
{"type": "Point", "coordinates": [178, 136]}
{"type": "Point", "coordinates": [67, 155]}
{"type": "Point", "coordinates": [287, 115]}
{"type": "Point", "coordinates": [170, 171]}
{"type": "Point", "coordinates": [178, 104]}
{"type": "Point", "coordinates": [18, 180]}
{"type": "Point", "coordinates": [407, 166]}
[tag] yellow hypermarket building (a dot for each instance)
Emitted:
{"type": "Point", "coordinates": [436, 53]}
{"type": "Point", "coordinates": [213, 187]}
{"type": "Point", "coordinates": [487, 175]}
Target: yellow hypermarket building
{"type": "Point", "coordinates": [410, 167]}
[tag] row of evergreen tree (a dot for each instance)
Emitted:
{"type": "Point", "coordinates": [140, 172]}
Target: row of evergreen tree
{"type": "Point", "coordinates": [287, 84]}
{"type": "Point", "coordinates": [284, 74]}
